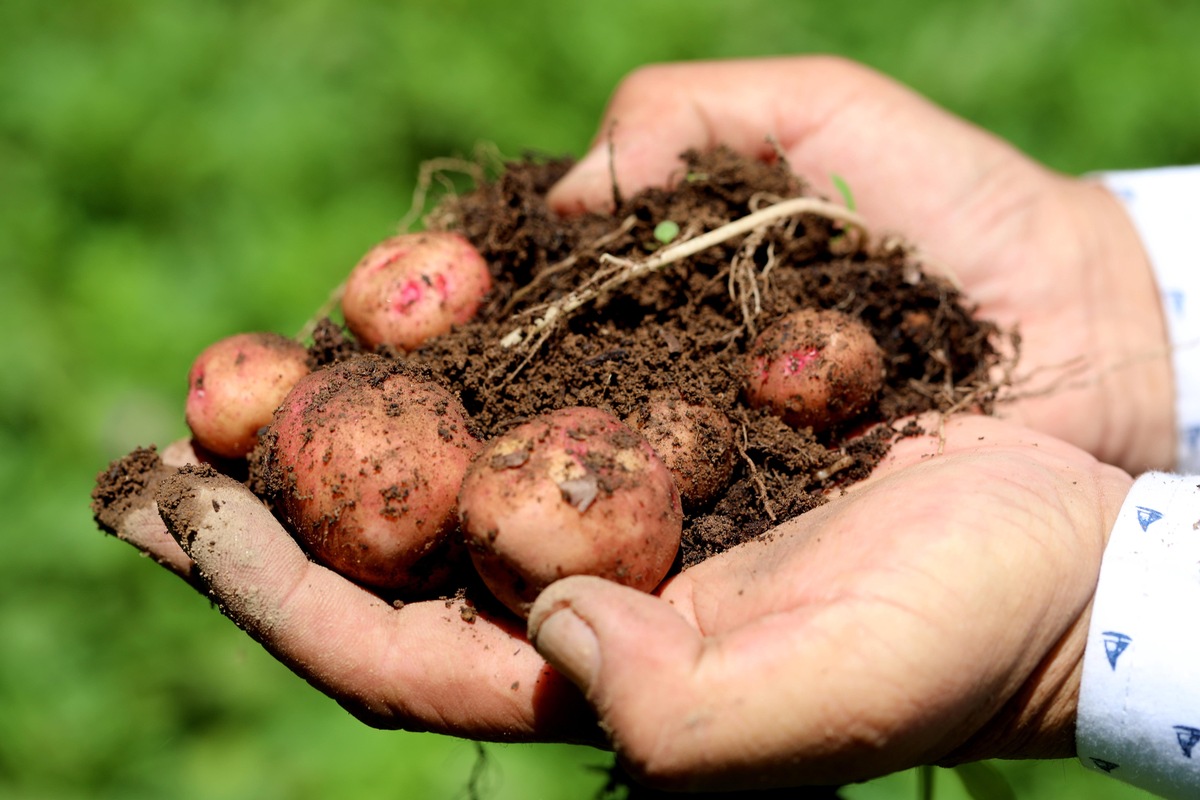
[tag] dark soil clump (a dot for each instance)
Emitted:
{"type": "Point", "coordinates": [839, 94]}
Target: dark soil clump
{"type": "Point", "coordinates": [686, 328]}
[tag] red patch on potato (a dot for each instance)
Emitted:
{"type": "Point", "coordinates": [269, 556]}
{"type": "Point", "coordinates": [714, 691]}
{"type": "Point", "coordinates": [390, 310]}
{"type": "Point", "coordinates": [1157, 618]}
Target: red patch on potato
{"type": "Point", "coordinates": [814, 368]}
{"type": "Point", "coordinates": [572, 492]}
{"type": "Point", "coordinates": [364, 460]}
{"type": "Point", "coordinates": [235, 385]}
{"type": "Point", "coordinates": [413, 287]}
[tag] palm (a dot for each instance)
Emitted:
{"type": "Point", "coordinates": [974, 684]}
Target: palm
{"type": "Point", "coordinates": [422, 666]}
{"type": "Point", "coordinates": [1052, 255]}
{"type": "Point", "coordinates": [934, 611]}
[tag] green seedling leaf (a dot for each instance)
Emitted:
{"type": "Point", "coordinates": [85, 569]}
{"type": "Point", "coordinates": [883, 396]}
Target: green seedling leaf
{"type": "Point", "coordinates": [843, 188]}
{"type": "Point", "coordinates": [666, 231]}
{"type": "Point", "coordinates": [984, 782]}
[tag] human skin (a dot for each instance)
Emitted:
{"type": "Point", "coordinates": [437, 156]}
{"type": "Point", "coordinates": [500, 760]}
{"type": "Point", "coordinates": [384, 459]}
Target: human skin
{"type": "Point", "coordinates": [1055, 255]}
{"type": "Point", "coordinates": [856, 640]}
{"type": "Point", "coordinates": [859, 641]}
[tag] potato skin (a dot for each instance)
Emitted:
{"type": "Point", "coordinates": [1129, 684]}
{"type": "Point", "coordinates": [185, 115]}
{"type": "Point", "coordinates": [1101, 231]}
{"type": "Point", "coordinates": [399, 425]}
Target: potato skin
{"type": "Point", "coordinates": [572, 492]}
{"type": "Point", "coordinates": [364, 463]}
{"type": "Point", "coordinates": [235, 385]}
{"type": "Point", "coordinates": [410, 288]}
{"type": "Point", "coordinates": [694, 440]}
{"type": "Point", "coordinates": [814, 368]}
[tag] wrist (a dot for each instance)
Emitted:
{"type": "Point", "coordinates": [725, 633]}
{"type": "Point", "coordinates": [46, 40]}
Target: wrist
{"type": "Point", "coordinates": [1138, 712]}
{"type": "Point", "coordinates": [1038, 719]}
{"type": "Point", "coordinates": [1132, 352]}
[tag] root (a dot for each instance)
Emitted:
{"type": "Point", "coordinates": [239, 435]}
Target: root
{"type": "Point", "coordinates": [763, 496]}
{"type": "Point", "coordinates": [845, 462]}
{"type": "Point", "coordinates": [622, 272]}
{"type": "Point", "coordinates": [566, 264]}
{"type": "Point", "coordinates": [435, 169]}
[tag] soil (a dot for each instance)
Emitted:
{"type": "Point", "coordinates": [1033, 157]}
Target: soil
{"type": "Point", "coordinates": [686, 330]}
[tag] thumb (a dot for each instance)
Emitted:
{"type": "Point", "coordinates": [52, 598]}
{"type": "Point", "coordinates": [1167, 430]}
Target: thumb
{"type": "Point", "coordinates": [630, 653]}
{"type": "Point", "coordinates": [623, 163]}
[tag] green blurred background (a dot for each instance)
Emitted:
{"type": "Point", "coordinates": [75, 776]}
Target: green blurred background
{"type": "Point", "coordinates": [175, 171]}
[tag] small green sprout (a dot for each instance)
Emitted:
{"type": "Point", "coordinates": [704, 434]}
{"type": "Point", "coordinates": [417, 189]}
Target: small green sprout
{"type": "Point", "coordinates": [843, 188]}
{"type": "Point", "coordinates": [666, 231]}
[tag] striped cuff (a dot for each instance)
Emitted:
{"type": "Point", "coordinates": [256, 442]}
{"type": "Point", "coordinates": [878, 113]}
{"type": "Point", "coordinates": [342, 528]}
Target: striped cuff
{"type": "Point", "coordinates": [1164, 205]}
{"type": "Point", "coordinates": [1139, 701]}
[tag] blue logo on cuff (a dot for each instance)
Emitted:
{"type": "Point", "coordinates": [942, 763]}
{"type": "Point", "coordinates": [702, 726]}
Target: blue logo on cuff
{"type": "Point", "coordinates": [1187, 736]}
{"type": "Point", "coordinates": [1147, 516]}
{"type": "Point", "coordinates": [1115, 644]}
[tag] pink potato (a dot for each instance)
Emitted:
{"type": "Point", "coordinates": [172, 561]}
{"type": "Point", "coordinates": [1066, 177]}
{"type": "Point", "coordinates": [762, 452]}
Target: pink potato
{"type": "Point", "coordinates": [364, 460]}
{"type": "Point", "coordinates": [413, 287]}
{"type": "Point", "coordinates": [694, 440]}
{"type": "Point", "coordinates": [572, 492]}
{"type": "Point", "coordinates": [814, 368]}
{"type": "Point", "coordinates": [236, 384]}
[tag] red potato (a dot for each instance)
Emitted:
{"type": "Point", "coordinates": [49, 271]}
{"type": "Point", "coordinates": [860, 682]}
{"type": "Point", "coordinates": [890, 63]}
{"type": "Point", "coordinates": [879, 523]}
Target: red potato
{"type": "Point", "coordinates": [411, 288]}
{"type": "Point", "coordinates": [814, 368]}
{"type": "Point", "coordinates": [236, 384]}
{"type": "Point", "coordinates": [364, 460]}
{"type": "Point", "coordinates": [572, 492]}
{"type": "Point", "coordinates": [694, 440]}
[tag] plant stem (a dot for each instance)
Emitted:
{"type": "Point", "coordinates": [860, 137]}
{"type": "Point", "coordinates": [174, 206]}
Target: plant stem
{"type": "Point", "coordinates": [669, 255]}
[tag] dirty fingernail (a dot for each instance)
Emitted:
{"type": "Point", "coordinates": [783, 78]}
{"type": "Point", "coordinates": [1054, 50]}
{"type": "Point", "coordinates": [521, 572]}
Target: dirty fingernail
{"type": "Point", "coordinates": [570, 644]}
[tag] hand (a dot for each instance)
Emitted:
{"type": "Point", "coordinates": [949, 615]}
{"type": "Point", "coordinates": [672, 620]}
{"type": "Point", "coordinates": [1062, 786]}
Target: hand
{"type": "Point", "coordinates": [937, 612]}
{"type": "Point", "coordinates": [419, 667]}
{"type": "Point", "coordinates": [1055, 255]}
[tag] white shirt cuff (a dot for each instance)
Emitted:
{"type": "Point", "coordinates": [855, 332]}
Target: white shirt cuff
{"type": "Point", "coordinates": [1164, 205]}
{"type": "Point", "coordinates": [1139, 705]}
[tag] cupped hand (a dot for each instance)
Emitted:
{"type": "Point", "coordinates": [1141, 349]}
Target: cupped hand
{"type": "Point", "coordinates": [423, 666]}
{"type": "Point", "coordinates": [936, 612]}
{"type": "Point", "coordinates": [1054, 255]}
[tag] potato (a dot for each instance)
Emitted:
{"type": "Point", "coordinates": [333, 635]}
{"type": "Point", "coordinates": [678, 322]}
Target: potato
{"type": "Point", "coordinates": [236, 384]}
{"type": "Point", "coordinates": [411, 288]}
{"type": "Point", "coordinates": [364, 460]}
{"type": "Point", "coordinates": [572, 492]}
{"type": "Point", "coordinates": [814, 368]}
{"type": "Point", "coordinates": [694, 440]}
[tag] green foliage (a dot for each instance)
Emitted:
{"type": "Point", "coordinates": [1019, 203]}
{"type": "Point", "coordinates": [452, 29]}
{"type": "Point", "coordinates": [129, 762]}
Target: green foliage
{"type": "Point", "coordinates": [174, 172]}
{"type": "Point", "coordinates": [984, 782]}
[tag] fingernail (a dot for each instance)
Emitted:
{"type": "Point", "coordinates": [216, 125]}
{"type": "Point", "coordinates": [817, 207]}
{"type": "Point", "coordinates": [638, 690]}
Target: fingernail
{"type": "Point", "coordinates": [569, 644]}
{"type": "Point", "coordinates": [587, 185]}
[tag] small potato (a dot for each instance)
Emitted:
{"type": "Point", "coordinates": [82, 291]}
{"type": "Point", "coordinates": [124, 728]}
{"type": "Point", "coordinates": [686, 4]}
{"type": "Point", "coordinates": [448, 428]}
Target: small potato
{"type": "Point", "coordinates": [694, 440]}
{"type": "Point", "coordinates": [572, 492]}
{"type": "Point", "coordinates": [411, 288]}
{"type": "Point", "coordinates": [236, 384]}
{"type": "Point", "coordinates": [364, 461]}
{"type": "Point", "coordinates": [814, 368]}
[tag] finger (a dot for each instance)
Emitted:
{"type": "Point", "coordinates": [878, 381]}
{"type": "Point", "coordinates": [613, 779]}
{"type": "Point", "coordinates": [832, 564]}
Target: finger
{"type": "Point", "coordinates": [421, 666]}
{"type": "Point", "coordinates": [829, 116]}
{"type": "Point", "coordinates": [658, 112]}
{"type": "Point", "coordinates": [123, 505]}
{"type": "Point", "coordinates": [826, 114]}
{"type": "Point", "coordinates": [772, 703]}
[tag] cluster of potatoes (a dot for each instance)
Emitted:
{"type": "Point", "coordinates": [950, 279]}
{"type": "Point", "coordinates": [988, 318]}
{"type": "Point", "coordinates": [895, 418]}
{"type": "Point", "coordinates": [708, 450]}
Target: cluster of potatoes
{"type": "Point", "coordinates": [375, 469]}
